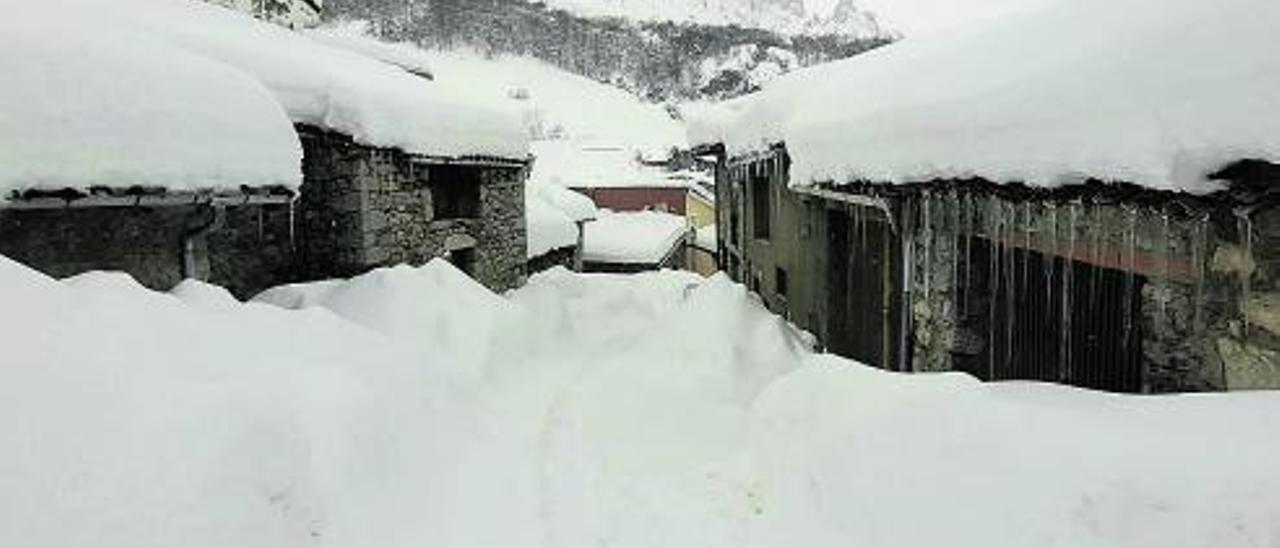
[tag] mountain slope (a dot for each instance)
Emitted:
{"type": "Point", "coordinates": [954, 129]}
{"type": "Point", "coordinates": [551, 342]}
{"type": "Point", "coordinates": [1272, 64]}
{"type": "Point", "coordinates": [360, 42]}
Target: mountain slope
{"type": "Point", "coordinates": [660, 61]}
{"type": "Point", "coordinates": [786, 17]}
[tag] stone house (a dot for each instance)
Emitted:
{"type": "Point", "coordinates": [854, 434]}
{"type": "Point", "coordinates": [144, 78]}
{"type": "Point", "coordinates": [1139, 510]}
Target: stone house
{"type": "Point", "coordinates": [278, 189]}
{"type": "Point", "coordinates": [238, 240]}
{"type": "Point", "coordinates": [1015, 223]}
{"type": "Point", "coordinates": [363, 207]}
{"type": "Point", "coordinates": [1108, 286]}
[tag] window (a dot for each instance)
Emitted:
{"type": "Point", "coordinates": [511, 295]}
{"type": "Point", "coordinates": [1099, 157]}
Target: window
{"type": "Point", "coordinates": [780, 282]}
{"type": "Point", "coordinates": [455, 192]}
{"type": "Point", "coordinates": [760, 207]}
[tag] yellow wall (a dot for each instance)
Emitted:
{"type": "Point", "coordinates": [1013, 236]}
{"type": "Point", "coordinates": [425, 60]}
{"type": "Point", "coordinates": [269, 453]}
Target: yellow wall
{"type": "Point", "coordinates": [700, 212]}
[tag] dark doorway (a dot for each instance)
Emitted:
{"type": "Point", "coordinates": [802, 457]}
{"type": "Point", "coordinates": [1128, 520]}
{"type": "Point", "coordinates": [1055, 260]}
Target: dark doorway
{"type": "Point", "coordinates": [862, 304]}
{"type": "Point", "coordinates": [464, 260]}
{"type": "Point", "coordinates": [1015, 301]}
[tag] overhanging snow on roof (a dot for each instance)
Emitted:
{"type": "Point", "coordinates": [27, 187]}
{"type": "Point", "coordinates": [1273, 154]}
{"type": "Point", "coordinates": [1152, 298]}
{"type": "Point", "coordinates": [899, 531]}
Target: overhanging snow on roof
{"type": "Point", "coordinates": [88, 103]}
{"type": "Point", "coordinates": [1073, 90]}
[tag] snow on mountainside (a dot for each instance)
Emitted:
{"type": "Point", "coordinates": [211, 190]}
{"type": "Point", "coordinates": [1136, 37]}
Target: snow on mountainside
{"type": "Point", "coordinates": [789, 17]}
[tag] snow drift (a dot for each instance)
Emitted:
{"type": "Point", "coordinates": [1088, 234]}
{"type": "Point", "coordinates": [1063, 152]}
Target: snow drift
{"type": "Point", "coordinates": [410, 407]}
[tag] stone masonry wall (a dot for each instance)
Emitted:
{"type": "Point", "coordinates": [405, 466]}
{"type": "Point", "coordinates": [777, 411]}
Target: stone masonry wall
{"type": "Point", "coordinates": [1209, 278]}
{"type": "Point", "coordinates": [247, 252]}
{"type": "Point", "coordinates": [362, 208]}
{"type": "Point", "coordinates": [252, 249]}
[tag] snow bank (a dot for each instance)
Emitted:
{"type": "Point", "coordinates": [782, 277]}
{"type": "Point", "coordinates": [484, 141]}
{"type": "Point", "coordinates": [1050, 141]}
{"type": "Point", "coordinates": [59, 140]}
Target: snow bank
{"type": "Point", "coordinates": [1008, 465]}
{"type": "Point", "coordinates": [135, 420]}
{"type": "Point", "coordinates": [641, 237]}
{"type": "Point", "coordinates": [1162, 101]}
{"type": "Point", "coordinates": [85, 103]}
{"type": "Point", "coordinates": [375, 103]}
{"type": "Point", "coordinates": [659, 409]}
{"type": "Point", "coordinates": [437, 308]}
{"type": "Point", "coordinates": [552, 214]}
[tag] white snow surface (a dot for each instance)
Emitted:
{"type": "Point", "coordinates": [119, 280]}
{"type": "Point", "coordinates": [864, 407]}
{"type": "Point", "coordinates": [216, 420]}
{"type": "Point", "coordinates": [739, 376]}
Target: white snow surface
{"type": "Point", "coordinates": [410, 407]}
{"type": "Point", "coordinates": [375, 103]}
{"type": "Point", "coordinates": [571, 164]}
{"type": "Point", "coordinates": [633, 237]}
{"type": "Point", "coordinates": [570, 119]}
{"type": "Point", "coordinates": [355, 36]}
{"type": "Point", "coordinates": [552, 214]}
{"type": "Point", "coordinates": [1048, 96]}
{"type": "Point", "coordinates": [86, 103]}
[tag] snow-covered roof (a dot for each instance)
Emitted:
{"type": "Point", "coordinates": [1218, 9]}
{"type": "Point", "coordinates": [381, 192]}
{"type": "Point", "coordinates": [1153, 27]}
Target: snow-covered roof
{"type": "Point", "coordinates": [375, 103]}
{"type": "Point", "coordinates": [1156, 92]}
{"type": "Point", "coordinates": [707, 239]}
{"type": "Point", "coordinates": [572, 165]}
{"type": "Point", "coordinates": [90, 104]}
{"type": "Point", "coordinates": [355, 36]}
{"type": "Point", "coordinates": [642, 237]}
{"type": "Point", "coordinates": [552, 214]}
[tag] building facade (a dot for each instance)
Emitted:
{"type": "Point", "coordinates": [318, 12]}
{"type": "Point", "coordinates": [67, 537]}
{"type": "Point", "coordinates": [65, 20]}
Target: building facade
{"type": "Point", "coordinates": [1105, 286]}
{"type": "Point", "coordinates": [364, 207]}
{"type": "Point", "coordinates": [243, 242]}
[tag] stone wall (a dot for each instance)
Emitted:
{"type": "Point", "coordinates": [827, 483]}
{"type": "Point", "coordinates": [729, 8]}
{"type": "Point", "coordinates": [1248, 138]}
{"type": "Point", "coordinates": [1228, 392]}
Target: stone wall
{"type": "Point", "coordinates": [563, 257]}
{"type": "Point", "coordinates": [1193, 264]}
{"type": "Point", "coordinates": [1200, 275]}
{"type": "Point", "coordinates": [252, 249]}
{"type": "Point", "coordinates": [248, 250]}
{"type": "Point", "coordinates": [362, 208]}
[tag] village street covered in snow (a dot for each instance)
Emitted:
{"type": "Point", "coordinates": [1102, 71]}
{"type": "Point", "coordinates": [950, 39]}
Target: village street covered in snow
{"type": "Point", "coordinates": [639, 274]}
{"type": "Point", "coordinates": [412, 407]}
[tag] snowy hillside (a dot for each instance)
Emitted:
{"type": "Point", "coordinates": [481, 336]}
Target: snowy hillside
{"type": "Point", "coordinates": [557, 105]}
{"type": "Point", "coordinates": [647, 55]}
{"type": "Point", "coordinates": [788, 17]}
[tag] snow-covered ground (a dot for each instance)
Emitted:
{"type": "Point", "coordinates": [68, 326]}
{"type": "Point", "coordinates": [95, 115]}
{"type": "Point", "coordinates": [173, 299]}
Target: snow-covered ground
{"type": "Point", "coordinates": [411, 407]}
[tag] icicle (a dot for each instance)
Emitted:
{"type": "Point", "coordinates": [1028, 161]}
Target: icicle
{"type": "Point", "coordinates": [1244, 224]}
{"type": "Point", "coordinates": [967, 213]}
{"type": "Point", "coordinates": [1199, 250]}
{"type": "Point", "coordinates": [993, 278]}
{"type": "Point", "coordinates": [953, 203]}
{"type": "Point", "coordinates": [1068, 278]}
{"type": "Point", "coordinates": [1165, 242]}
{"type": "Point", "coordinates": [1050, 254]}
{"type": "Point", "coordinates": [1010, 286]}
{"type": "Point", "coordinates": [1095, 255]}
{"type": "Point", "coordinates": [1130, 260]}
{"type": "Point", "coordinates": [1027, 230]}
{"type": "Point", "coordinates": [927, 219]}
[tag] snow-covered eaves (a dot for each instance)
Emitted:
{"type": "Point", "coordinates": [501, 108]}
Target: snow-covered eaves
{"type": "Point", "coordinates": [88, 104]}
{"type": "Point", "coordinates": [144, 197]}
{"type": "Point", "coordinates": [189, 96]}
{"type": "Point", "coordinates": [633, 238]}
{"type": "Point", "coordinates": [552, 217]}
{"type": "Point", "coordinates": [375, 103]}
{"type": "Point", "coordinates": [1067, 92]}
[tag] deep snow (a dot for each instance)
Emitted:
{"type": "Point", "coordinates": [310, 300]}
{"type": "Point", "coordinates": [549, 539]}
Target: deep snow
{"type": "Point", "coordinates": [411, 407]}
{"type": "Point", "coordinates": [86, 104]}
{"type": "Point", "coordinates": [1050, 95]}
